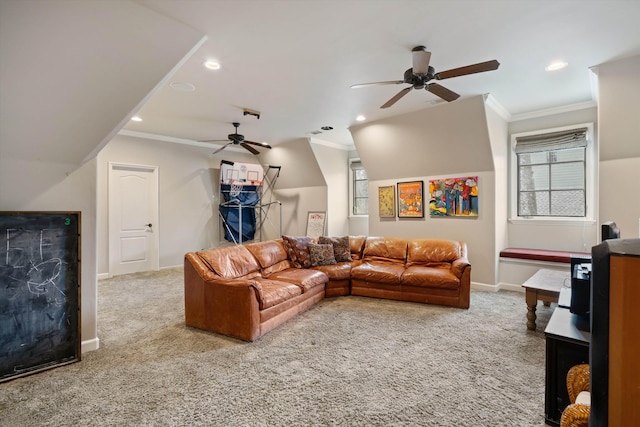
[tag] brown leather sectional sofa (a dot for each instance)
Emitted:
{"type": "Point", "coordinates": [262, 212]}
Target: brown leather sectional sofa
{"type": "Point", "coordinates": [245, 291]}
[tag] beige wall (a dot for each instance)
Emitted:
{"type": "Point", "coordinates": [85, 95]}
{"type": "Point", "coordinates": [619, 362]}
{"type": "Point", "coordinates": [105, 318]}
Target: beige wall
{"type": "Point", "coordinates": [448, 140]}
{"type": "Point", "coordinates": [188, 194]}
{"type": "Point", "coordinates": [54, 119]}
{"type": "Point", "coordinates": [619, 132]}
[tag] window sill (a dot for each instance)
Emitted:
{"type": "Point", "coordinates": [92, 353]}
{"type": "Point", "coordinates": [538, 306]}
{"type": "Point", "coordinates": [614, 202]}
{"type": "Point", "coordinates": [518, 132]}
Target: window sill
{"type": "Point", "coordinates": [577, 222]}
{"type": "Point", "coordinates": [358, 216]}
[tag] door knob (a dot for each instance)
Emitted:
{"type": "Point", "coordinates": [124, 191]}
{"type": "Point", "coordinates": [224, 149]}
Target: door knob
{"type": "Point", "coordinates": [148, 225]}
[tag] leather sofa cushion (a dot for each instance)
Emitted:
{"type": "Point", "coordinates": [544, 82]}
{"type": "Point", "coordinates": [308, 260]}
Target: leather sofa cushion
{"type": "Point", "coordinates": [386, 249]}
{"type": "Point", "coordinates": [304, 278]}
{"type": "Point", "coordinates": [389, 273]}
{"type": "Point", "coordinates": [433, 251]}
{"type": "Point", "coordinates": [268, 253]}
{"type": "Point", "coordinates": [340, 271]}
{"type": "Point", "coordinates": [230, 262]}
{"type": "Point", "coordinates": [356, 245]}
{"type": "Point", "coordinates": [273, 292]}
{"type": "Point", "coordinates": [430, 277]}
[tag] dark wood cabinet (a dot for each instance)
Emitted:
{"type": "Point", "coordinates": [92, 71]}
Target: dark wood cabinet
{"type": "Point", "coordinates": [567, 344]}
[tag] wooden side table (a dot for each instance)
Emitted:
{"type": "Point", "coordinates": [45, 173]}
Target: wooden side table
{"type": "Point", "coordinates": [545, 286]}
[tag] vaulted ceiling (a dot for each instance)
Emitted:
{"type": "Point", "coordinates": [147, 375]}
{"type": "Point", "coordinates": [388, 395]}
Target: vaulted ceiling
{"type": "Point", "coordinates": [294, 61]}
{"type": "Point", "coordinates": [72, 73]}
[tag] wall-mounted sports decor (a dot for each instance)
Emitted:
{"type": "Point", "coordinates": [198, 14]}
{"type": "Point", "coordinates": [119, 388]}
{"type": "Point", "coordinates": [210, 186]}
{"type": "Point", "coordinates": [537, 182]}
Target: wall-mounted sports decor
{"type": "Point", "coordinates": [454, 197]}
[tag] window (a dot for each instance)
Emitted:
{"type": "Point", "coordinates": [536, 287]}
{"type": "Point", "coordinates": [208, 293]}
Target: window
{"type": "Point", "coordinates": [359, 189]}
{"type": "Point", "coordinates": [553, 174]}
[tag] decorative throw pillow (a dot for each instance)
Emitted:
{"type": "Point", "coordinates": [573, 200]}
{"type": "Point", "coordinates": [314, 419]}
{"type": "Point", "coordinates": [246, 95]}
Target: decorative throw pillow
{"type": "Point", "coordinates": [321, 254]}
{"type": "Point", "coordinates": [298, 250]}
{"type": "Point", "coordinates": [341, 248]}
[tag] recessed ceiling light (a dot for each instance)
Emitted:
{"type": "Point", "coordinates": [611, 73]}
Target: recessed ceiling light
{"type": "Point", "coordinates": [183, 87]}
{"type": "Point", "coordinates": [136, 119]}
{"type": "Point", "coordinates": [556, 66]}
{"type": "Point", "coordinates": [212, 65]}
{"type": "Point", "coordinates": [361, 118]}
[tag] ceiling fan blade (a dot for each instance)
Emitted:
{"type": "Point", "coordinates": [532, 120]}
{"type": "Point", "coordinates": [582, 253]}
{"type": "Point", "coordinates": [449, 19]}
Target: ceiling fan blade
{"type": "Point", "coordinates": [249, 148]}
{"type": "Point", "coordinates": [469, 69]}
{"type": "Point", "coordinates": [421, 58]}
{"type": "Point", "coordinates": [442, 92]}
{"type": "Point", "coordinates": [392, 82]}
{"type": "Point", "coordinates": [259, 144]}
{"type": "Point", "coordinates": [222, 148]}
{"type": "Point", "coordinates": [213, 140]}
{"type": "Point", "coordinates": [397, 97]}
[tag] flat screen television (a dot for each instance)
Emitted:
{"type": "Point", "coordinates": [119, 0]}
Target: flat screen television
{"type": "Point", "coordinates": [610, 231]}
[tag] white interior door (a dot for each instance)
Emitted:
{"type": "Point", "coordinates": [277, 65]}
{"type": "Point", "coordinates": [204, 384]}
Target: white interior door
{"type": "Point", "coordinates": [133, 219]}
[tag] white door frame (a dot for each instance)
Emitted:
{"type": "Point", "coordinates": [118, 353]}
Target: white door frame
{"type": "Point", "coordinates": [114, 233]}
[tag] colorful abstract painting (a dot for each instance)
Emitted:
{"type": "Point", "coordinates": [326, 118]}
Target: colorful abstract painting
{"type": "Point", "coordinates": [410, 199]}
{"type": "Point", "coordinates": [454, 197]}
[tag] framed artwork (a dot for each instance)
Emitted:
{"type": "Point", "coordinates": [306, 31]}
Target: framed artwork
{"type": "Point", "coordinates": [315, 224]}
{"type": "Point", "coordinates": [454, 197]}
{"type": "Point", "coordinates": [387, 202]}
{"type": "Point", "coordinates": [410, 199]}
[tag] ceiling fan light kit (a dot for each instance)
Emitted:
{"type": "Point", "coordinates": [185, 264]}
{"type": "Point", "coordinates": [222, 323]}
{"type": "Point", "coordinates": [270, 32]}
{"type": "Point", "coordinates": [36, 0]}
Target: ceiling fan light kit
{"type": "Point", "coordinates": [421, 73]}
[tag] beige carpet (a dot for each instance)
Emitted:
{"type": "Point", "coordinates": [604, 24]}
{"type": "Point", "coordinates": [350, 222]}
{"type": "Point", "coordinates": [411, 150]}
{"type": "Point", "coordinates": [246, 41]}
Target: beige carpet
{"type": "Point", "coordinates": [351, 361]}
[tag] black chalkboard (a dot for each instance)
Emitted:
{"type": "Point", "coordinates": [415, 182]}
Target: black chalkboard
{"type": "Point", "coordinates": [39, 291]}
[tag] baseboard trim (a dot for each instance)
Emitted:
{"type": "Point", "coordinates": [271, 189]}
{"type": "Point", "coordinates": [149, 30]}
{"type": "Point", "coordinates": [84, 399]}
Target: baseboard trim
{"type": "Point", "coordinates": [484, 287]}
{"type": "Point", "coordinates": [101, 276]}
{"type": "Point", "coordinates": [510, 287]}
{"type": "Point", "coordinates": [501, 286]}
{"type": "Point", "coordinates": [90, 345]}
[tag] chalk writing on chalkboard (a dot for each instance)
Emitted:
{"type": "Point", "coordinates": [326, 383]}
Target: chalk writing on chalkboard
{"type": "Point", "coordinates": [39, 291]}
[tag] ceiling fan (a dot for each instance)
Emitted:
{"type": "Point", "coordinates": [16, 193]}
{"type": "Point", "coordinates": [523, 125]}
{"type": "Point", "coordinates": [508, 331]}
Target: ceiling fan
{"type": "Point", "coordinates": [422, 73]}
{"type": "Point", "coordinates": [237, 139]}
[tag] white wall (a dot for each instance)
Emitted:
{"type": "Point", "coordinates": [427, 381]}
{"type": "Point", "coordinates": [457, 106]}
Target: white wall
{"type": "Point", "coordinates": [498, 134]}
{"type": "Point", "coordinates": [578, 237]}
{"type": "Point", "coordinates": [334, 163]}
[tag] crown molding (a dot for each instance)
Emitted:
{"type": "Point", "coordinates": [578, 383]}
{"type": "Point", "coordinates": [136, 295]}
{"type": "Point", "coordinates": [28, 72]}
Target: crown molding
{"type": "Point", "coordinates": [490, 101]}
{"type": "Point", "coordinates": [554, 110]}
{"type": "Point", "coordinates": [331, 144]}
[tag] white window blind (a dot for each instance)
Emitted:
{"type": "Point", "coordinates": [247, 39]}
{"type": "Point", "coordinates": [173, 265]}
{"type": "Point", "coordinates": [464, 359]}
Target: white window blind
{"type": "Point", "coordinates": [552, 174]}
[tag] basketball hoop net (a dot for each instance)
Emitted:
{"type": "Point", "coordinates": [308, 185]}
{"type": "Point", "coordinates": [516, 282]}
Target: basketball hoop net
{"type": "Point", "coordinates": [235, 189]}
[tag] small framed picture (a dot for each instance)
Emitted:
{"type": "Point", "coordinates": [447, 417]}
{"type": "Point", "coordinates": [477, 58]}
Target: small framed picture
{"type": "Point", "coordinates": [315, 224]}
{"type": "Point", "coordinates": [387, 201]}
{"type": "Point", "coordinates": [410, 199]}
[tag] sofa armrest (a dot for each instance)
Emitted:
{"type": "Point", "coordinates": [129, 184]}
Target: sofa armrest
{"type": "Point", "coordinates": [459, 265]}
{"type": "Point", "coordinates": [226, 306]}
